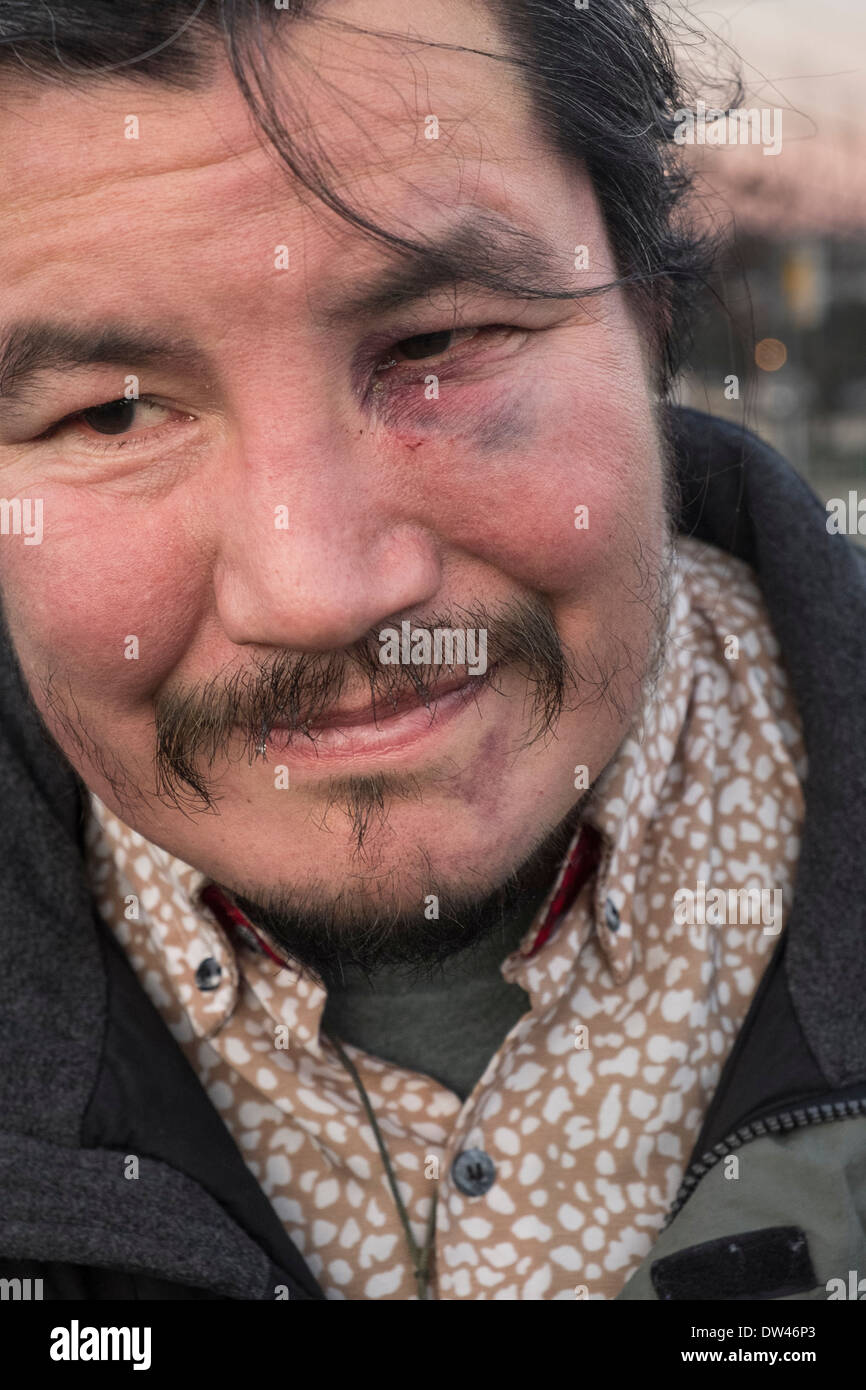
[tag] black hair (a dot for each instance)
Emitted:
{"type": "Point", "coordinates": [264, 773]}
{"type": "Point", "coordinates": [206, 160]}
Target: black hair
{"type": "Point", "coordinates": [601, 79]}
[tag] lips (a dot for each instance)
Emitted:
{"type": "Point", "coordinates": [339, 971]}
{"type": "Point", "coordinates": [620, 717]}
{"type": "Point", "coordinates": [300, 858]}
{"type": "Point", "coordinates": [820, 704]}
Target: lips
{"type": "Point", "coordinates": [355, 734]}
{"type": "Point", "coordinates": [352, 716]}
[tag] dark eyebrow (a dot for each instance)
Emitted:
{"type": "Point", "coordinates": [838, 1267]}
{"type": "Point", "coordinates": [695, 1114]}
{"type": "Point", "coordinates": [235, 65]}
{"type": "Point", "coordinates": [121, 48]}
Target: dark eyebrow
{"type": "Point", "coordinates": [483, 249]}
{"type": "Point", "coordinates": [26, 349]}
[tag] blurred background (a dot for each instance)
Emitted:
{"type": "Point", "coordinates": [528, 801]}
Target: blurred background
{"type": "Point", "coordinates": [792, 326]}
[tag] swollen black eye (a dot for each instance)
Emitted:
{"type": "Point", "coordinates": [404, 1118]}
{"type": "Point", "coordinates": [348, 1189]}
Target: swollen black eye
{"type": "Point", "coordinates": [425, 344]}
{"type": "Point", "coordinates": [112, 418]}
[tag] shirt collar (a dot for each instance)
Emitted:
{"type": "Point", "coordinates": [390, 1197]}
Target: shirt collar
{"type": "Point", "coordinates": [619, 812]}
{"type": "Point", "coordinates": [202, 929]}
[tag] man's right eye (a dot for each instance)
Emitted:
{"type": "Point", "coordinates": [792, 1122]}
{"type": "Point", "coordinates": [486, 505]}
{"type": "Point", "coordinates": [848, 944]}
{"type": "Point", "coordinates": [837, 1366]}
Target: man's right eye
{"type": "Point", "coordinates": [114, 417]}
{"type": "Point", "coordinates": [132, 417]}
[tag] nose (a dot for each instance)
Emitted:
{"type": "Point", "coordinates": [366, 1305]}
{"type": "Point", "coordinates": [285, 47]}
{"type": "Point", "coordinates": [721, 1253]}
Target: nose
{"type": "Point", "coordinates": [313, 563]}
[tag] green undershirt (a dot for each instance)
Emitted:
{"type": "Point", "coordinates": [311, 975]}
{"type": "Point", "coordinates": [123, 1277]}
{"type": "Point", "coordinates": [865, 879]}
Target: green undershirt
{"type": "Point", "coordinates": [447, 1025]}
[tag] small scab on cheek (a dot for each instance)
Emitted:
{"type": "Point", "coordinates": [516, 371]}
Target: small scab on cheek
{"type": "Point", "coordinates": [489, 430]}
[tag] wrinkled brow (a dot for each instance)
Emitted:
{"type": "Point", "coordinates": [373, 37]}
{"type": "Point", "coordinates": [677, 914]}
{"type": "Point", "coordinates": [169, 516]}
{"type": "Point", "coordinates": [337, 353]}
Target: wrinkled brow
{"type": "Point", "coordinates": [483, 249]}
{"type": "Point", "coordinates": [29, 348]}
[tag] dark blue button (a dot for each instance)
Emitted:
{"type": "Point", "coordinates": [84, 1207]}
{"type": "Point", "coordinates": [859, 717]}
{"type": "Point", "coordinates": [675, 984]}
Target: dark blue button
{"type": "Point", "coordinates": [209, 974]}
{"type": "Point", "coordinates": [474, 1172]}
{"type": "Point", "coordinates": [611, 915]}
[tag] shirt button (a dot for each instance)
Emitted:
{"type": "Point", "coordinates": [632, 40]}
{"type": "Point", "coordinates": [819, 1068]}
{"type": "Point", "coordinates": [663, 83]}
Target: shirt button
{"type": "Point", "coordinates": [209, 974]}
{"type": "Point", "coordinates": [611, 915]}
{"type": "Point", "coordinates": [474, 1172]}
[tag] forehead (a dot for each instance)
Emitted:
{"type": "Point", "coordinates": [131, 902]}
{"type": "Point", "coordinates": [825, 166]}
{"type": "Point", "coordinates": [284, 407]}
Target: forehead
{"type": "Point", "coordinates": [132, 178]}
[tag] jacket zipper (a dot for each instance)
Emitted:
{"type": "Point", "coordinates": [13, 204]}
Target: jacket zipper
{"type": "Point", "coordinates": [783, 1120]}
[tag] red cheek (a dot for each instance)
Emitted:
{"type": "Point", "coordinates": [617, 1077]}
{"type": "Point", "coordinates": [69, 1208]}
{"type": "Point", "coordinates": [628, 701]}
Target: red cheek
{"type": "Point", "coordinates": [540, 483]}
{"type": "Point", "coordinates": [92, 589]}
{"type": "Point", "coordinates": [517, 512]}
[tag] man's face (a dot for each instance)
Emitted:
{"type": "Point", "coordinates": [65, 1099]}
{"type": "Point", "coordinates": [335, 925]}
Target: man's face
{"type": "Point", "coordinates": [291, 483]}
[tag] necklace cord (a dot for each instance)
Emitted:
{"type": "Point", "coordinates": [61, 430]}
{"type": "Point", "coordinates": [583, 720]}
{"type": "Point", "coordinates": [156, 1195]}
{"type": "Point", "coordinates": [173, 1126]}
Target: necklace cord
{"type": "Point", "coordinates": [420, 1258]}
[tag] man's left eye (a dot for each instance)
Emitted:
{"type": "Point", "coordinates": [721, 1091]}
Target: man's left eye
{"type": "Point", "coordinates": [422, 345]}
{"type": "Point", "coordinates": [425, 345]}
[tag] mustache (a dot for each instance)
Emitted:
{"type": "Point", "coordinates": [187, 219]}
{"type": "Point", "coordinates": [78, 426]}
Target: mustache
{"type": "Point", "coordinates": [198, 725]}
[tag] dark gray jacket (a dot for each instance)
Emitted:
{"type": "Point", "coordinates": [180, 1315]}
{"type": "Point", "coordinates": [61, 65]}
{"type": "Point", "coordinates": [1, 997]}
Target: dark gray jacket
{"type": "Point", "coordinates": [89, 1072]}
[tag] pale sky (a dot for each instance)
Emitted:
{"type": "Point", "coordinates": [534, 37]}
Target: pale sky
{"type": "Point", "coordinates": [806, 54]}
